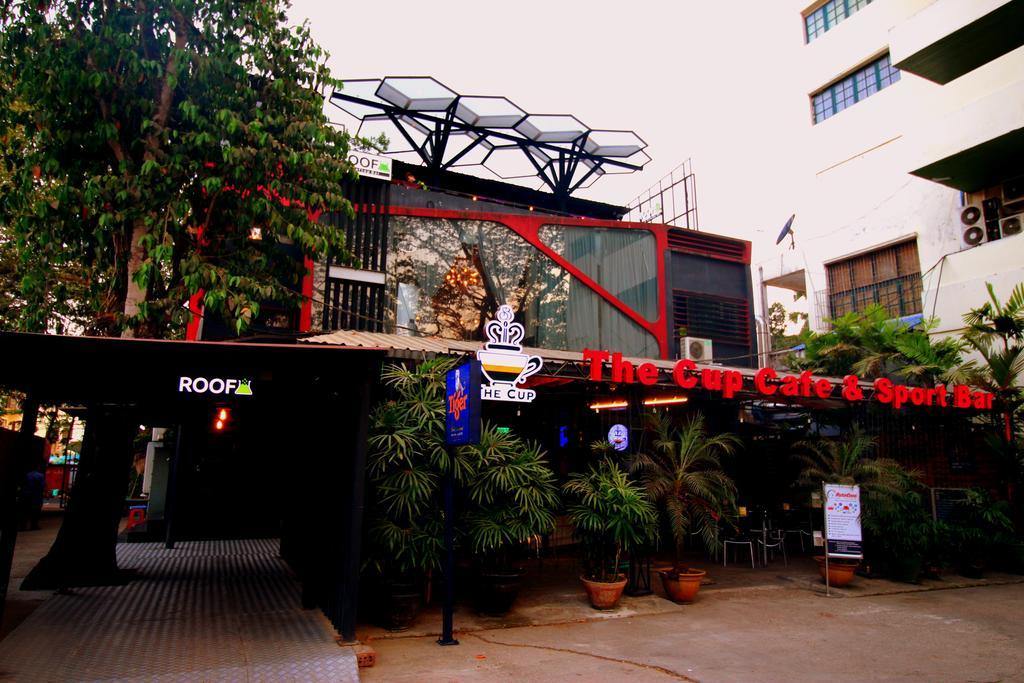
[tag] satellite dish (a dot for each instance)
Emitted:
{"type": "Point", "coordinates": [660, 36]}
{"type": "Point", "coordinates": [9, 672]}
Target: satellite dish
{"type": "Point", "coordinates": [787, 229]}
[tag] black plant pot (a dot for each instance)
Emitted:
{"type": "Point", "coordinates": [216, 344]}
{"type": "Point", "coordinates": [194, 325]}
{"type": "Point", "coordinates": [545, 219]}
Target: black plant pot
{"type": "Point", "coordinates": [401, 605]}
{"type": "Point", "coordinates": [972, 568]}
{"type": "Point", "coordinates": [497, 590]}
{"type": "Point", "coordinates": [906, 569]}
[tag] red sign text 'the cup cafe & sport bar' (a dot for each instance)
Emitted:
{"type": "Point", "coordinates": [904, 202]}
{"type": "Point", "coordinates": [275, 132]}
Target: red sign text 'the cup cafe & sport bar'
{"type": "Point", "coordinates": [768, 382]}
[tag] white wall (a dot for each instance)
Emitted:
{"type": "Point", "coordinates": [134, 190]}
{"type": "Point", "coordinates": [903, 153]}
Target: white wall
{"type": "Point", "coordinates": [958, 284]}
{"type": "Point", "coordinates": [857, 191]}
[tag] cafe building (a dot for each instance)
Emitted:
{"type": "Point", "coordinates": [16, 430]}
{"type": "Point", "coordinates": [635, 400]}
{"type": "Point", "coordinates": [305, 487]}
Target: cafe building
{"type": "Point", "coordinates": [596, 314]}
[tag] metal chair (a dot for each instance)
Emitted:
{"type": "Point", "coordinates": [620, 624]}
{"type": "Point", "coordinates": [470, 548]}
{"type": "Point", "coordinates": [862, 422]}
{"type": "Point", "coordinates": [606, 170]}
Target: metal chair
{"type": "Point", "coordinates": [737, 541]}
{"type": "Point", "coordinates": [777, 541]}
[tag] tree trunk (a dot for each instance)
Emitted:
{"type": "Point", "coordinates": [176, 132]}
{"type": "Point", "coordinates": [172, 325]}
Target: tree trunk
{"type": "Point", "coordinates": [136, 295]}
{"type": "Point", "coordinates": [84, 552]}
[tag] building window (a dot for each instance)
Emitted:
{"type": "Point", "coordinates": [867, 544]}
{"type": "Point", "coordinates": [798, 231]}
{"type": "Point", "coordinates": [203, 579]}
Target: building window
{"type": "Point", "coordinates": [828, 15]}
{"type": "Point", "coordinates": [861, 84]}
{"type": "Point", "coordinates": [889, 277]}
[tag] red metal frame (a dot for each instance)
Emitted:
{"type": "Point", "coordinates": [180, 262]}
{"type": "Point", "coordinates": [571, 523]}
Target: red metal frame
{"type": "Point", "coordinates": [306, 313]}
{"type": "Point", "coordinates": [528, 227]}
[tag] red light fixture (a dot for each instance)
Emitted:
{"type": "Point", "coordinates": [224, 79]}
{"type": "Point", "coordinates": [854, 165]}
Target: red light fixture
{"type": "Point", "coordinates": [221, 420]}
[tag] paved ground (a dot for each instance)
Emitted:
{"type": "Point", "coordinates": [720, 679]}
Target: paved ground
{"type": "Point", "coordinates": [969, 634]}
{"type": "Point", "coordinates": [205, 611]}
{"type": "Point", "coordinates": [29, 547]}
{"type": "Point", "coordinates": [227, 611]}
{"type": "Point", "coordinates": [551, 594]}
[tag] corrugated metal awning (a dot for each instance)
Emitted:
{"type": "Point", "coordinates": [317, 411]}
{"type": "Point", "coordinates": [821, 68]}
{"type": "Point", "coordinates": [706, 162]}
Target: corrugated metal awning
{"type": "Point", "coordinates": [556, 362]}
{"type": "Point", "coordinates": [562, 364]}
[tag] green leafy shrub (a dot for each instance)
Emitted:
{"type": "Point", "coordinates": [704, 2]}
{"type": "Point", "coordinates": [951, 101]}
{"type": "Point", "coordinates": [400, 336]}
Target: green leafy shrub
{"type": "Point", "coordinates": [612, 515]}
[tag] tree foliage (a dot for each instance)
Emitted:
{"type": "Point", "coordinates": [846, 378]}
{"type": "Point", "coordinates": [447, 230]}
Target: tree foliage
{"type": "Point", "coordinates": [872, 345]}
{"type": "Point", "coordinates": [849, 461]}
{"type": "Point", "coordinates": [778, 320]}
{"type": "Point", "coordinates": [142, 142]}
{"type": "Point", "coordinates": [995, 330]}
{"type": "Point", "coordinates": [506, 490]}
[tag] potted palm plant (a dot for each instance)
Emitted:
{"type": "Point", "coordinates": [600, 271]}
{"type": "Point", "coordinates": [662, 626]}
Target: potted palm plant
{"type": "Point", "coordinates": [848, 461]}
{"type": "Point", "coordinates": [899, 532]}
{"type": "Point", "coordinates": [506, 495]}
{"type": "Point", "coordinates": [977, 526]}
{"type": "Point", "coordinates": [612, 515]}
{"type": "Point", "coordinates": [406, 447]}
{"type": "Point", "coordinates": [682, 474]}
{"type": "Point", "coordinates": [510, 497]}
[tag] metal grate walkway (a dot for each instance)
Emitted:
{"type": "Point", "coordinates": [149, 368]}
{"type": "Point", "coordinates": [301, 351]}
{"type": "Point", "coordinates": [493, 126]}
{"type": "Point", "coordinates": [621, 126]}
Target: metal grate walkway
{"type": "Point", "coordinates": [205, 611]}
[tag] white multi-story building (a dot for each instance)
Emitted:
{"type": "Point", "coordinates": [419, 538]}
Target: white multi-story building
{"type": "Point", "coordinates": [913, 157]}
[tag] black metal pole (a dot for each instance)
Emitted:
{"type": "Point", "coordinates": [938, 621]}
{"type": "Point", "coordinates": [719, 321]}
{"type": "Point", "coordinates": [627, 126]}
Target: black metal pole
{"type": "Point", "coordinates": [449, 558]}
{"type": "Point", "coordinates": [350, 577]}
{"type": "Point", "coordinates": [13, 468]}
{"type": "Point", "coordinates": [171, 501]}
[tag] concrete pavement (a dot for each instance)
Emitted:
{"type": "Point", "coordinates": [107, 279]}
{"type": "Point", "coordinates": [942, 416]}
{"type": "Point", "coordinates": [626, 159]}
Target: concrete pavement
{"type": "Point", "coordinates": [969, 634]}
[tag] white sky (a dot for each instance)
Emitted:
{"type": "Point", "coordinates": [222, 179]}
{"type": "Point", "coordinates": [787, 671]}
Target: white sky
{"type": "Point", "coordinates": [712, 81]}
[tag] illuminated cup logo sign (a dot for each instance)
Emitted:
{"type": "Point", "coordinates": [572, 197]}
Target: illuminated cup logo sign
{"type": "Point", "coordinates": [503, 361]}
{"type": "Point", "coordinates": [618, 437]}
{"type": "Point", "coordinates": [214, 385]}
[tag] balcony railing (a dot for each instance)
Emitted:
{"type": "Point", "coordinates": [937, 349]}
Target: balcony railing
{"type": "Point", "coordinates": [900, 297]}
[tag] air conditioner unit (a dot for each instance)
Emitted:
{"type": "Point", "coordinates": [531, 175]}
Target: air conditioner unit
{"type": "Point", "coordinates": [1012, 225]}
{"type": "Point", "coordinates": [972, 225]}
{"type": "Point", "coordinates": [1012, 210]}
{"type": "Point", "coordinates": [696, 349]}
{"type": "Point", "coordinates": [1013, 190]}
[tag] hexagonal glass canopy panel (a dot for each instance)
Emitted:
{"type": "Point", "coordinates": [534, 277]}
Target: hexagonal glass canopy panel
{"type": "Point", "coordinates": [467, 149]}
{"type": "Point", "coordinates": [489, 112]}
{"type": "Point", "coordinates": [556, 150]}
{"type": "Point", "coordinates": [509, 163]}
{"type": "Point", "coordinates": [416, 93]}
{"type": "Point", "coordinates": [364, 89]}
{"type": "Point", "coordinates": [551, 127]}
{"type": "Point", "coordinates": [636, 159]}
{"type": "Point", "coordinates": [375, 126]}
{"type": "Point", "coordinates": [613, 143]}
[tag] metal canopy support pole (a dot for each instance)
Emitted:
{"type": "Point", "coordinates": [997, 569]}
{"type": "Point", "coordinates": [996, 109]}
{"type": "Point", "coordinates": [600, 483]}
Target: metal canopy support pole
{"type": "Point", "coordinates": [824, 533]}
{"type": "Point", "coordinates": [447, 637]}
{"type": "Point", "coordinates": [171, 504]}
{"type": "Point", "coordinates": [13, 469]}
{"type": "Point", "coordinates": [353, 558]}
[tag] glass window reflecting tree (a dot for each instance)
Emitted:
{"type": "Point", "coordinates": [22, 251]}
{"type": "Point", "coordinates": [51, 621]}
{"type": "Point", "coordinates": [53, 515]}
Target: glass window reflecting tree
{"type": "Point", "coordinates": [447, 278]}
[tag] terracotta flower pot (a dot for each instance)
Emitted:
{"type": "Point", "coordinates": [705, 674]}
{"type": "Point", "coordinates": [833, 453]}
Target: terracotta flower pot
{"type": "Point", "coordinates": [682, 587]}
{"type": "Point", "coordinates": [840, 572]}
{"type": "Point", "coordinates": [604, 595]}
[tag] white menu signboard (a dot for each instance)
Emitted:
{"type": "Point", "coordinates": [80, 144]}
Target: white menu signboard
{"type": "Point", "coordinates": [842, 521]}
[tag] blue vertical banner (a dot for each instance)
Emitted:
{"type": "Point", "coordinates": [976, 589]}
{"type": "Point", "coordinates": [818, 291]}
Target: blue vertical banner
{"type": "Point", "coordinates": [462, 405]}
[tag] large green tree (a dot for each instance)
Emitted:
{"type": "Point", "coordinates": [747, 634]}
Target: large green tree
{"type": "Point", "coordinates": [142, 143]}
